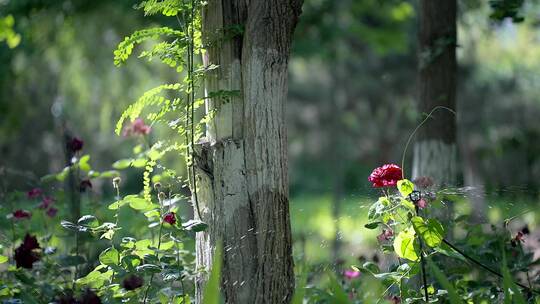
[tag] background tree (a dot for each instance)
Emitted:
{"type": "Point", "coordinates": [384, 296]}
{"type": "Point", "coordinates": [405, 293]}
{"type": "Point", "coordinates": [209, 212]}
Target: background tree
{"type": "Point", "coordinates": [242, 179]}
{"type": "Point", "coordinates": [435, 152]}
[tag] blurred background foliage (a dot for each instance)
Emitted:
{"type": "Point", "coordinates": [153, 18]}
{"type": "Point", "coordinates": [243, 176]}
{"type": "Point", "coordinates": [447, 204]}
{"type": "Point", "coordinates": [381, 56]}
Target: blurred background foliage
{"type": "Point", "coordinates": [352, 102]}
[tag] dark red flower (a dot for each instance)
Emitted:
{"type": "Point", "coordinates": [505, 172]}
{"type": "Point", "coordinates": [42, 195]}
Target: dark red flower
{"type": "Point", "coordinates": [137, 127]}
{"type": "Point", "coordinates": [34, 193]}
{"type": "Point", "coordinates": [385, 176]}
{"type": "Point", "coordinates": [22, 214]}
{"type": "Point", "coordinates": [394, 299]}
{"type": "Point", "coordinates": [75, 144]}
{"type": "Point", "coordinates": [66, 298]}
{"type": "Point", "coordinates": [26, 254]}
{"type": "Point", "coordinates": [51, 212]}
{"type": "Point", "coordinates": [89, 297]}
{"type": "Point", "coordinates": [132, 282]}
{"type": "Point", "coordinates": [519, 238]}
{"type": "Point", "coordinates": [46, 202]}
{"type": "Point", "coordinates": [84, 185]}
{"type": "Point", "coordinates": [170, 218]}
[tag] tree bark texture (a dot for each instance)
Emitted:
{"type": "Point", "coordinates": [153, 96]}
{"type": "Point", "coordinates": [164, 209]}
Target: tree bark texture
{"type": "Point", "coordinates": [435, 153]}
{"type": "Point", "coordinates": [242, 162]}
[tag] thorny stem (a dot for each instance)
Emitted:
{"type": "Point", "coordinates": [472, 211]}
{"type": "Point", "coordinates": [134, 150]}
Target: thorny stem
{"type": "Point", "coordinates": [478, 263]}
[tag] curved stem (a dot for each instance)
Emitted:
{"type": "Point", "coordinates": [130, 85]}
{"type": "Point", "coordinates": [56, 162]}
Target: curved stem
{"type": "Point", "coordinates": [414, 133]}
{"type": "Point", "coordinates": [475, 261]}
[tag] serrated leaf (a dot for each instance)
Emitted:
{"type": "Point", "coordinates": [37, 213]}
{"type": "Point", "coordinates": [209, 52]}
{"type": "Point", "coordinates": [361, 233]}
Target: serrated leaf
{"type": "Point", "coordinates": [405, 245]}
{"type": "Point", "coordinates": [405, 187]}
{"type": "Point", "coordinates": [109, 257]}
{"type": "Point", "coordinates": [431, 232]}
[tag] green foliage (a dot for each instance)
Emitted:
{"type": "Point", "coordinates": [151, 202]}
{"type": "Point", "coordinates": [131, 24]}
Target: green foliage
{"type": "Point", "coordinates": [121, 54]}
{"type": "Point", "coordinates": [7, 33]}
{"type": "Point", "coordinates": [406, 245]}
{"type": "Point", "coordinates": [405, 187]}
{"type": "Point", "coordinates": [441, 278]}
{"type": "Point", "coordinates": [432, 232]}
{"type": "Point", "coordinates": [212, 290]}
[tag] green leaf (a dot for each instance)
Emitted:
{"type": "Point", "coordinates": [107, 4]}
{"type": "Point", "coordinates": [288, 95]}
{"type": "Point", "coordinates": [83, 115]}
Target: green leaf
{"type": "Point", "coordinates": [339, 296]}
{"type": "Point", "coordinates": [441, 278]}
{"type": "Point", "coordinates": [195, 225]}
{"type": "Point", "coordinates": [373, 225]}
{"type": "Point", "coordinates": [211, 293]}
{"type": "Point", "coordinates": [88, 221]}
{"type": "Point", "coordinates": [150, 268]}
{"type": "Point", "coordinates": [406, 245]}
{"type": "Point", "coordinates": [300, 290]}
{"type": "Point", "coordinates": [138, 203]}
{"type": "Point", "coordinates": [431, 232]}
{"type": "Point", "coordinates": [83, 163]}
{"type": "Point", "coordinates": [116, 205]}
{"type": "Point", "coordinates": [512, 293]}
{"type": "Point", "coordinates": [3, 259]}
{"type": "Point", "coordinates": [109, 174]}
{"type": "Point", "coordinates": [109, 257]}
{"type": "Point", "coordinates": [121, 164]}
{"type": "Point", "coordinates": [405, 187]}
{"type": "Point", "coordinates": [69, 225]}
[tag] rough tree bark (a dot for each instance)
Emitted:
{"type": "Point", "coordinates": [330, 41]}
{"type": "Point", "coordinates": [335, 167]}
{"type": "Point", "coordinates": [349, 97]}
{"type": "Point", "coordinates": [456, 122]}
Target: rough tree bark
{"type": "Point", "coordinates": [242, 162]}
{"type": "Point", "coordinates": [435, 153]}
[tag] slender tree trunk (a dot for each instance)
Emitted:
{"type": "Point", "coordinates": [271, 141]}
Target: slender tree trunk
{"type": "Point", "coordinates": [435, 153]}
{"type": "Point", "coordinates": [242, 164]}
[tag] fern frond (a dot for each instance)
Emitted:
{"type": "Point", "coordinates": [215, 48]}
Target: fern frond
{"type": "Point", "coordinates": [150, 97]}
{"type": "Point", "coordinates": [165, 7]}
{"type": "Point", "coordinates": [125, 48]}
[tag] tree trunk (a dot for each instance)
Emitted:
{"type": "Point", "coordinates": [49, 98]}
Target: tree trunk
{"type": "Point", "coordinates": [435, 153]}
{"type": "Point", "coordinates": [242, 163]}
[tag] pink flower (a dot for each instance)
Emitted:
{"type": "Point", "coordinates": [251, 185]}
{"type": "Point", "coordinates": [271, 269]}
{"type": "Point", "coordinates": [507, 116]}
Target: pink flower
{"type": "Point", "coordinates": [22, 214]}
{"type": "Point", "coordinates": [394, 299]}
{"type": "Point", "coordinates": [351, 274]}
{"type": "Point", "coordinates": [385, 235]}
{"type": "Point", "coordinates": [34, 193]}
{"type": "Point", "coordinates": [137, 127]}
{"type": "Point", "coordinates": [385, 176]}
{"type": "Point", "coordinates": [422, 203]}
{"type": "Point", "coordinates": [170, 218]}
{"type": "Point", "coordinates": [46, 202]}
{"type": "Point", "coordinates": [51, 212]}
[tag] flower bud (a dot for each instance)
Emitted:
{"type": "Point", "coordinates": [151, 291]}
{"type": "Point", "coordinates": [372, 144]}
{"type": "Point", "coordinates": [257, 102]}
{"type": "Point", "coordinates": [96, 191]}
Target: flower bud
{"type": "Point", "coordinates": [116, 182]}
{"type": "Point", "coordinates": [162, 196]}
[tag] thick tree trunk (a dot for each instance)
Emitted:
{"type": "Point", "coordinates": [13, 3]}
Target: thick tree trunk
{"type": "Point", "coordinates": [435, 153]}
{"type": "Point", "coordinates": [242, 164]}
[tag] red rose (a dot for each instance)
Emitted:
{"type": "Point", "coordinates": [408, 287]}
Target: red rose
{"type": "Point", "coordinates": [386, 176]}
{"type": "Point", "coordinates": [170, 218]}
